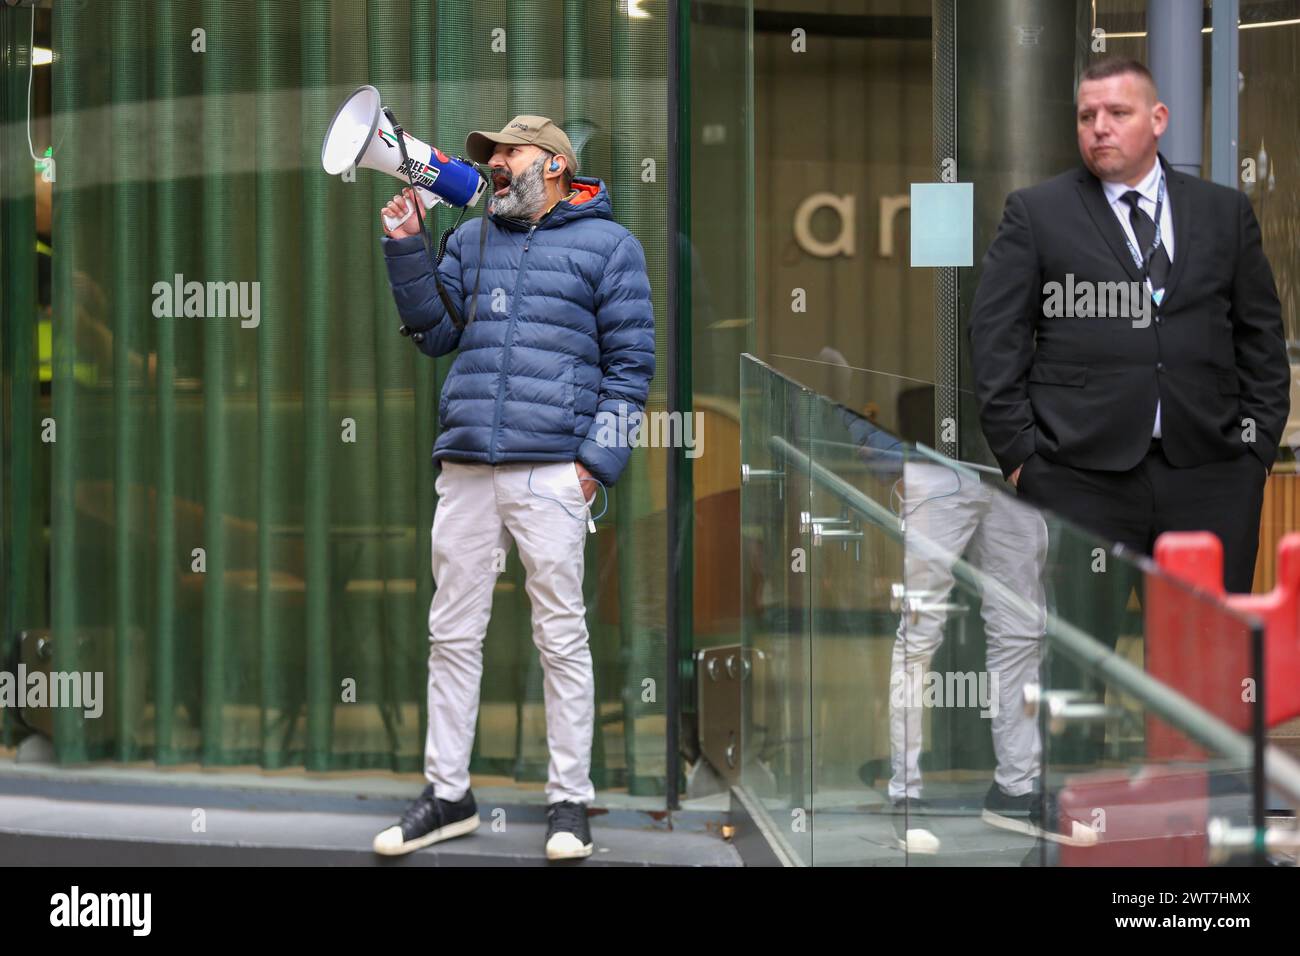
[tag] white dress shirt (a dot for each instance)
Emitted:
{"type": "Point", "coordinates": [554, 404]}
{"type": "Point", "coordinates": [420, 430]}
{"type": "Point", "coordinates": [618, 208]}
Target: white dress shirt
{"type": "Point", "coordinates": [1148, 188]}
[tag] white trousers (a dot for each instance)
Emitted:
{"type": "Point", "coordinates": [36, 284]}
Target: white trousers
{"type": "Point", "coordinates": [540, 506]}
{"type": "Point", "coordinates": [946, 514]}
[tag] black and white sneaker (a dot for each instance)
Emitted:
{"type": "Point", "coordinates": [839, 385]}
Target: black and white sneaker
{"type": "Point", "coordinates": [910, 828]}
{"type": "Point", "coordinates": [568, 836]}
{"type": "Point", "coordinates": [427, 821]}
{"type": "Point", "coordinates": [1034, 814]}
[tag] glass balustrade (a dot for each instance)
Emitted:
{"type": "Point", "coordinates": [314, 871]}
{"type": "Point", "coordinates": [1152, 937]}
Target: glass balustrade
{"type": "Point", "coordinates": [939, 673]}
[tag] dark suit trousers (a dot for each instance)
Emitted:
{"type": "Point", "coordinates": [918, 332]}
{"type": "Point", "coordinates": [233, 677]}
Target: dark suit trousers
{"type": "Point", "coordinates": [1135, 507]}
{"type": "Point", "coordinates": [1132, 508]}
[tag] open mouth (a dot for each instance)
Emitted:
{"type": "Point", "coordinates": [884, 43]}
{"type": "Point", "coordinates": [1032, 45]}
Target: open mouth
{"type": "Point", "coordinates": [501, 180]}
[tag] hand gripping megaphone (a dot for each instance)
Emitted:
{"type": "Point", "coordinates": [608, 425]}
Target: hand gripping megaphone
{"type": "Point", "coordinates": [362, 135]}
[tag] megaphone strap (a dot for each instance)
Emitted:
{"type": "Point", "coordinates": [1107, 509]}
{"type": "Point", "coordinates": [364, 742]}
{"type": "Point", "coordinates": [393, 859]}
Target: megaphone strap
{"type": "Point", "coordinates": [452, 312]}
{"type": "Point", "coordinates": [482, 247]}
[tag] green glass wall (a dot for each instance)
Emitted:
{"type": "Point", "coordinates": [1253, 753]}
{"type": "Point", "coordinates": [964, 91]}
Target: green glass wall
{"type": "Point", "coordinates": [236, 523]}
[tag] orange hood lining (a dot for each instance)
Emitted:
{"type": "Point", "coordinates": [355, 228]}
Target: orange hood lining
{"type": "Point", "coordinates": [586, 192]}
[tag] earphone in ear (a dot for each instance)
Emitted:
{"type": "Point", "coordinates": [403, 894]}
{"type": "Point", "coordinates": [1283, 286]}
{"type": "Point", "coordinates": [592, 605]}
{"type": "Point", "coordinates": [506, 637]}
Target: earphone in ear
{"type": "Point", "coordinates": [554, 166]}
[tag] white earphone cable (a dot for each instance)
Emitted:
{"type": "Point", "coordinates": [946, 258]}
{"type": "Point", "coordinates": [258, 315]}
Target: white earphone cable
{"type": "Point", "coordinates": [31, 69]}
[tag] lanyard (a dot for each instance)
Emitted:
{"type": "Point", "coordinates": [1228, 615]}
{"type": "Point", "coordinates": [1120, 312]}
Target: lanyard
{"type": "Point", "coordinates": [1144, 262]}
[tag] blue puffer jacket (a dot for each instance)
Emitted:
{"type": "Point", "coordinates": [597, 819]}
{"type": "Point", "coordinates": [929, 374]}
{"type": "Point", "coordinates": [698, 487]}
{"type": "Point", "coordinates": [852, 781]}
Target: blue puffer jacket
{"type": "Point", "coordinates": [563, 340]}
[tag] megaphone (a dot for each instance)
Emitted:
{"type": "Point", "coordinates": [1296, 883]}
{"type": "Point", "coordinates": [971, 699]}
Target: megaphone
{"type": "Point", "coordinates": [360, 135]}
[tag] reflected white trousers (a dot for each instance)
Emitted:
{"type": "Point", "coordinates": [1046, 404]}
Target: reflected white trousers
{"type": "Point", "coordinates": [948, 514]}
{"type": "Point", "coordinates": [481, 510]}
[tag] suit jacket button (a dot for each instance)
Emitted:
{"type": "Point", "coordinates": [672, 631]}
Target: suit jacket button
{"type": "Point", "coordinates": [1160, 366]}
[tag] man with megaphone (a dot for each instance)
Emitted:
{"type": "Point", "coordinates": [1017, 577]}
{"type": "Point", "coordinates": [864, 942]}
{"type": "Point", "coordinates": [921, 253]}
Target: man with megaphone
{"type": "Point", "coordinates": [555, 355]}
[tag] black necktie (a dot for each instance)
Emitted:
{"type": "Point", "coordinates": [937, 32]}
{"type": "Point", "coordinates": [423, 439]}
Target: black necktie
{"type": "Point", "coordinates": [1145, 230]}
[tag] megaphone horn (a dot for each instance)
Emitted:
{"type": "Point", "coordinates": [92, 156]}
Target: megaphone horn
{"type": "Point", "coordinates": [361, 136]}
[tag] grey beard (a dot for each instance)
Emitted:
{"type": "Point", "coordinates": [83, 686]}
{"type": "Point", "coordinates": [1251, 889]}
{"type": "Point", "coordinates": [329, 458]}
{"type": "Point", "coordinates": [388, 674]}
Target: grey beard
{"type": "Point", "coordinates": [527, 194]}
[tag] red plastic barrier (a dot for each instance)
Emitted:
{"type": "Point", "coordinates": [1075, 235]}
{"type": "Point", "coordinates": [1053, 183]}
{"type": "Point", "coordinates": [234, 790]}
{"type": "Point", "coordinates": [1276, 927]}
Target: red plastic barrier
{"type": "Point", "coordinates": [1207, 658]}
{"type": "Point", "coordinates": [1157, 817]}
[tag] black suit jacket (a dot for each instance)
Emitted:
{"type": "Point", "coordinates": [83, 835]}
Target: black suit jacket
{"type": "Point", "coordinates": [1083, 391]}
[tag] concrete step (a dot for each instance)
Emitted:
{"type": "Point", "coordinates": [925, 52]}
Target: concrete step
{"type": "Point", "coordinates": [44, 830]}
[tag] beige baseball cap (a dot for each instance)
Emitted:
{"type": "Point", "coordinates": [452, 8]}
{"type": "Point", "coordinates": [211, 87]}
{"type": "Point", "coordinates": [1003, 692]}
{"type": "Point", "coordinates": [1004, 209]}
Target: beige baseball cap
{"type": "Point", "coordinates": [522, 131]}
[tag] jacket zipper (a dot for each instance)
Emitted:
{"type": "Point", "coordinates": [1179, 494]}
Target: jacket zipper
{"type": "Point", "coordinates": [505, 358]}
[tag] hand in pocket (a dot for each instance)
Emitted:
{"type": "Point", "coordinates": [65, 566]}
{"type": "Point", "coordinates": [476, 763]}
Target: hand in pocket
{"type": "Point", "coordinates": [585, 481]}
